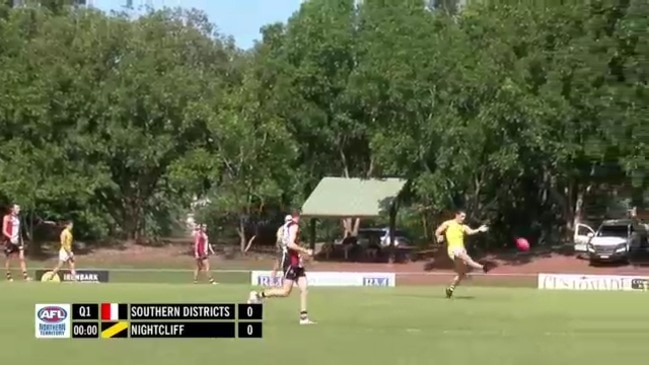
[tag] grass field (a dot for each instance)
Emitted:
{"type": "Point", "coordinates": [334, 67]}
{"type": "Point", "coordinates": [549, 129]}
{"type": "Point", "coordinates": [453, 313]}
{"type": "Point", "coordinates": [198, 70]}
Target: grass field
{"type": "Point", "coordinates": [403, 325]}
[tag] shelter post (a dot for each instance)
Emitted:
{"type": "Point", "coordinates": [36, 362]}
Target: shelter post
{"type": "Point", "coordinates": [312, 231]}
{"type": "Point", "coordinates": [391, 228]}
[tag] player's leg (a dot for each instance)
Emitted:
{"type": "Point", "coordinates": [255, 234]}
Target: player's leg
{"type": "Point", "coordinates": [23, 264]}
{"type": "Point", "coordinates": [72, 265]}
{"type": "Point", "coordinates": [279, 292]}
{"type": "Point", "coordinates": [290, 276]}
{"type": "Point", "coordinates": [8, 257]}
{"type": "Point", "coordinates": [206, 270]}
{"type": "Point", "coordinates": [460, 269]}
{"type": "Point", "coordinates": [302, 284]}
{"type": "Point", "coordinates": [56, 269]}
{"type": "Point", "coordinates": [471, 263]}
{"type": "Point", "coordinates": [198, 265]}
{"type": "Point", "coordinates": [63, 257]}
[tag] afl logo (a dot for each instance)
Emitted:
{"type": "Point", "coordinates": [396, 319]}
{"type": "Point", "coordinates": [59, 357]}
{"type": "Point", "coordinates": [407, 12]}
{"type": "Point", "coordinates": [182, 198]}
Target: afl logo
{"type": "Point", "coordinates": [52, 314]}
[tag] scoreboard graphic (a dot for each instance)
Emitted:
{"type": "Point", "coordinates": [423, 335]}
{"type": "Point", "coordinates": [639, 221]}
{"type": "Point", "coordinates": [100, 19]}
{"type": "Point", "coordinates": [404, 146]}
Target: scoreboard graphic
{"type": "Point", "coordinates": [171, 320]}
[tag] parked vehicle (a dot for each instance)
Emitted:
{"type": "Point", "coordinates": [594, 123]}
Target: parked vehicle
{"type": "Point", "coordinates": [617, 240]}
{"type": "Point", "coordinates": [583, 234]}
{"type": "Point", "coordinates": [380, 237]}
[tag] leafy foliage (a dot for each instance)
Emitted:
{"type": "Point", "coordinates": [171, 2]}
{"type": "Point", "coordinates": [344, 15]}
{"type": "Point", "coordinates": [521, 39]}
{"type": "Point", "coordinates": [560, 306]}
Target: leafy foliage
{"type": "Point", "coordinates": [519, 114]}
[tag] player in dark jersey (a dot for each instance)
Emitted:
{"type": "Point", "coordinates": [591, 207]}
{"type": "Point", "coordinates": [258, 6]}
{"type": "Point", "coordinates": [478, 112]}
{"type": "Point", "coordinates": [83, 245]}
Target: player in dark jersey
{"type": "Point", "coordinates": [293, 269]}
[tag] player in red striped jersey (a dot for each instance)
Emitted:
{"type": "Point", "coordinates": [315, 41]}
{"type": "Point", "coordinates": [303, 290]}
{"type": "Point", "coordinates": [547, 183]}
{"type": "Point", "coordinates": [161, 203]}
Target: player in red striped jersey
{"type": "Point", "coordinates": [13, 242]}
{"type": "Point", "coordinates": [293, 268]}
{"type": "Point", "coordinates": [202, 249]}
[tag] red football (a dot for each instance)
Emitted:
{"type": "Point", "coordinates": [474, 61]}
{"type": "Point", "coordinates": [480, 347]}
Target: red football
{"type": "Point", "coordinates": [522, 244]}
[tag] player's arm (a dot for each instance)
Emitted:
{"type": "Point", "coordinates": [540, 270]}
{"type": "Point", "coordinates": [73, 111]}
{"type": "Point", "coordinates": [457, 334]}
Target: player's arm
{"type": "Point", "coordinates": [24, 234]}
{"type": "Point", "coordinates": [439, 232]}
{"type": "Point", "coordinates": [209, 245]}
{"type": "Point", "coordinates": [196, 240]}
{"type": "Point", "coordinates": [279, 235]}
{"type": "Point", "coordinates": [276, 266]}
{"type": "Point", "coordinates": [292, 235]}
{"type": "Point", "coordinates": [63, 240]}
{"type": "Point", "coordinates": [5, 227]}
{"type": "Point", "coordinates": [470, 231]}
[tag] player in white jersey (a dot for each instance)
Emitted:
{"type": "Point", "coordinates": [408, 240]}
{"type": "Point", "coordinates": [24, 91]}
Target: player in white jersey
{"type": "Point", "coordinates": [278, 242]}
{"type": "Point", "coordinates": [293, 269]}
{"type": "Point", "coordinates": [13, 242]}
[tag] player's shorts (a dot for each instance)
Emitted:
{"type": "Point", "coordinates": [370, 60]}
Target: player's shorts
{"type": "Point", "coordinates": [200, 252]}
{"type": "Point", "coordinates": [11, 248]}
{"type": "Point", "coordinates": [454, 253]}
{"type": "Point", "coordinates": [64, 257]}
{"type": "Point", "coordinates": [294, 272]}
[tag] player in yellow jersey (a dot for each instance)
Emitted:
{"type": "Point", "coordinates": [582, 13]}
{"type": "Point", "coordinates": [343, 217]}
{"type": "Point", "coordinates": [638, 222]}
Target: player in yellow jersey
{"type": "Point", "coordinates": [65, 252]}
{"type": "Point", "coordinates": [453, 231]}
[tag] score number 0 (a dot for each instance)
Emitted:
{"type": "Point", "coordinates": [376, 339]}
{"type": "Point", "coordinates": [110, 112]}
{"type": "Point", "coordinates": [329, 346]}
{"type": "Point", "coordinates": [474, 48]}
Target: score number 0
{"type": "Point", "coordinates": [250, 312]}
{"type": "Point", "coordinates": [250, 330]}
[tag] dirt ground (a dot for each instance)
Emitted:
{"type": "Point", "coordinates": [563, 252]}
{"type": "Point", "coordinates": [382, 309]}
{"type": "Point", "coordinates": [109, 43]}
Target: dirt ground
{"type": "Point", "coordinates": [508, 271]}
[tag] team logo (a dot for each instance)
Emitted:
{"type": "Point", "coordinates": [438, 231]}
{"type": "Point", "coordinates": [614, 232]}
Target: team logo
{"type": "Point", "coordinates": [51, 277]}
{"type": "Point", "coordinates": [52, 320]}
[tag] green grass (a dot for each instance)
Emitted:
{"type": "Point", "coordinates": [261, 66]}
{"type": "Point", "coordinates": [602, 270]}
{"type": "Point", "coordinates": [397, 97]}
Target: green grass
{"type": "Point", "coordinates": [403, 325]}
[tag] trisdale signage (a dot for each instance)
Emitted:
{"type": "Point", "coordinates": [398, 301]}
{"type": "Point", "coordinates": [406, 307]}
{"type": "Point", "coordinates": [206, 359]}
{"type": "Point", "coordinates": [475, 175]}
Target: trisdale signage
{"type": "Point", "coordinates": [587, 282]}
{"type": "Point", "coordinates": [326, 278]}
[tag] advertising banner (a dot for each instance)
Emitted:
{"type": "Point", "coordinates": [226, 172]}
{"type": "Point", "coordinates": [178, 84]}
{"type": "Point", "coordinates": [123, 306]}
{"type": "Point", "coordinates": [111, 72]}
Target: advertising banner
{"type": "Point", "coordinates": [326, 278]}
{"type": "Point", "coordinates": [82, 276]}
{"type": "Point", "coordinates": [592, 282]}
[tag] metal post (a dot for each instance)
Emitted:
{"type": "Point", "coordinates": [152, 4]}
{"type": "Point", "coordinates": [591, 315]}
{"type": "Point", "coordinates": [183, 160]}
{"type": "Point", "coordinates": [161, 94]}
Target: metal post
{"type": "Point", "coordinates": [312, 233]}
{"type": "Point", "coordinates": [392, 226]}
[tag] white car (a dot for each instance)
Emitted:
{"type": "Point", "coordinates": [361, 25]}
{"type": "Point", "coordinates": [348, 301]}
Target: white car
{"type": "Point", "coordinates": [616, 240]}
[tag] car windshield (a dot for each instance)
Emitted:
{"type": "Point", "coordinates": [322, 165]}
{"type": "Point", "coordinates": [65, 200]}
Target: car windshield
{"type": "Point", "coordinates": [613, 231]}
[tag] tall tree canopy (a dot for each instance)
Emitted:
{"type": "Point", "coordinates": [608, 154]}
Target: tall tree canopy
{"type": "Point", "coordinates": [522, 115]}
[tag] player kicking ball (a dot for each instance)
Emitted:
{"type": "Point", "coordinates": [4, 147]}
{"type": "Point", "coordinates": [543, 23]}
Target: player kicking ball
{"type": "Point", "coordinates": [454, 231]}
{"type": "Point", "coordinates": [293, 269]}
{"type": "Point", "coordinates": [66, 256]}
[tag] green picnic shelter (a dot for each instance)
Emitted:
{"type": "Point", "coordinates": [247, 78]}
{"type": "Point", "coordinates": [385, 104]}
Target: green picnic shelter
{"type": "Point", "coordinates": [338, 197]}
